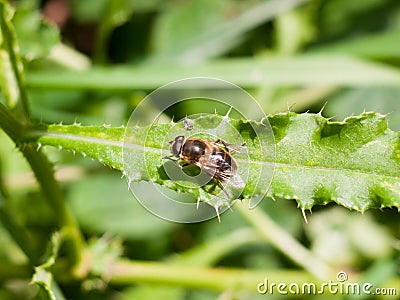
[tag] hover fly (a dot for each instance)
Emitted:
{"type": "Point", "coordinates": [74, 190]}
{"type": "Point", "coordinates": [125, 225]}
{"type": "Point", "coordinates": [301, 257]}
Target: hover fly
{"type": "Point", "coordinates": [214, 158]}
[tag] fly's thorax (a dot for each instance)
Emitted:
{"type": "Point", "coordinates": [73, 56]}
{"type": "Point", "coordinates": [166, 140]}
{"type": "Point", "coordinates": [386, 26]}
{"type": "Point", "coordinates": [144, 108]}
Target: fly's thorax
{"type": "Point", "coordinates": [193, 149]}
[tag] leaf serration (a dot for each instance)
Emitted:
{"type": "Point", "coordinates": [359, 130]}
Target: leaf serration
{"type": "Point", "coordinates": [354, 163]}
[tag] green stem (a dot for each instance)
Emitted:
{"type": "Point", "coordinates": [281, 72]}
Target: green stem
{"type": "Point", "coordinates": [219, 279]}
{"type": "Point", "coordinates": [45, 176]}
{"type": "Point", "coordinates": [18, 234]}
{"type": "Point", "coordinates": [10, 125]}
{"type": "Point", "coordinates": [10, 40]}
{"type": "Point", "coordinates": [38, 161]}
{"type": "Point", "coordinates": [284, 242]}
{"type": "Point", "coordinates": [44, 173]}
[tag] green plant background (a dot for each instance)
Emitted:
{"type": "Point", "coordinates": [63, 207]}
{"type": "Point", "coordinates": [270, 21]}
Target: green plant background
{"type": "Point", "coordinates": [88, 237]}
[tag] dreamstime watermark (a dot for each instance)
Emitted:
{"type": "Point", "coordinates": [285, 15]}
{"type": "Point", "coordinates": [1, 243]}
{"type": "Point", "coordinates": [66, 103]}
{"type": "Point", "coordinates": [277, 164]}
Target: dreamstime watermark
{"type": "Point", "coordinates": [145, 149]}
{"type": "Point", "coordinates": [340, 286]}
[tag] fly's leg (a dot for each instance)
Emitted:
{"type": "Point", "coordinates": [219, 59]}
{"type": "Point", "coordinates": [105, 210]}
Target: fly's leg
{"type": "Point", "coordinates": [219, 182]}
{"type": "Point", "coordinates": [185, 165]}
{"type": "Point", "coordinates": [212, 188]}
{"type": "Point", "coordinates": [171, 157]}
{"type": "Point", "coordinates": [228, 147]}
{"type": "Point", "coordinates": [219, 141]}
{"type": "Point", "coordinates": [176, 159]}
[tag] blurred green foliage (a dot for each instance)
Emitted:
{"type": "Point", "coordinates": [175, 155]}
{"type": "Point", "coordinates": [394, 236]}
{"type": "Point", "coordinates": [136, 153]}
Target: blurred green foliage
{"type": "Point", "coordinates": [194, 36]}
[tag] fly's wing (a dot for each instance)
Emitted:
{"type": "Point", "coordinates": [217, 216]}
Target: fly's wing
{"type": "Point", "coordinates": [213, 164]}
{"type": "Point", "coordinates": [232, 148]}
{"type": "Point", "coordinates": [236, 181]}
{"type": "Point", "coordinates": [208, 165]}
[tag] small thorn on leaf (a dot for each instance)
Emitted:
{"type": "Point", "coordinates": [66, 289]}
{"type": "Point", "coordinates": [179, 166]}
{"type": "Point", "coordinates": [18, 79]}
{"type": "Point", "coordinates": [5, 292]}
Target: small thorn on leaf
{"type": "Point", "coordinates": [289, 107]}
{"type": "Point", "coordinates": [304, 215]}
{"type": "Point", "coordinates": [228, 112]}
{"type": "Point", "coordinates": [217, 211]}
{"type": "Point", "coordinates": [322, 109]}
{"type": "Point", "coordinates": [76, 122]}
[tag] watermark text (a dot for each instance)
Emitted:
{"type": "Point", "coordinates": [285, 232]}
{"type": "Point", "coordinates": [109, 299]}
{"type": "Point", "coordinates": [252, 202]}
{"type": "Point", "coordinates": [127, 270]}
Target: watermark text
{"type": "Point", "coordinates": [341, 286]}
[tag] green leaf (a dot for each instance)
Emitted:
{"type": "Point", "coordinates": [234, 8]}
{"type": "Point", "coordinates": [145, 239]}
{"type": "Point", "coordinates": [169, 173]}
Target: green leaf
{"type": "Point", "coordinates": [43, 278]}
{"type": "Point", "coordinates": [48, 288]}
{"type": "Point", "coordinates": [36, 37]}
{"type": "Point", "coordinates": [380, 45]}
{"type": "Point", "coordinates": [355, 163]}
{"type": "Point", "coordinates": [100, 142]}
{"type": "Point", "coordinates": [178, 28]}
{"type": "Point", "coordinates": [357, 100]}
{"type": "Point", "coordinates": [252, 72]}
{"type": "Point", "coordinates": [203, 29]}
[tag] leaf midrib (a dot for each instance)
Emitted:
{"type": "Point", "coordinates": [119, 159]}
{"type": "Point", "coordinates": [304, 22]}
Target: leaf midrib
{"type": "Point", "coordinates": [107, 142]}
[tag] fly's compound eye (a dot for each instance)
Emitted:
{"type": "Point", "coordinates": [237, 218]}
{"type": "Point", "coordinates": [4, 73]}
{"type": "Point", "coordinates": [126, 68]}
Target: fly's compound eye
{"type": "Point", "coordinates": [176, 145]}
